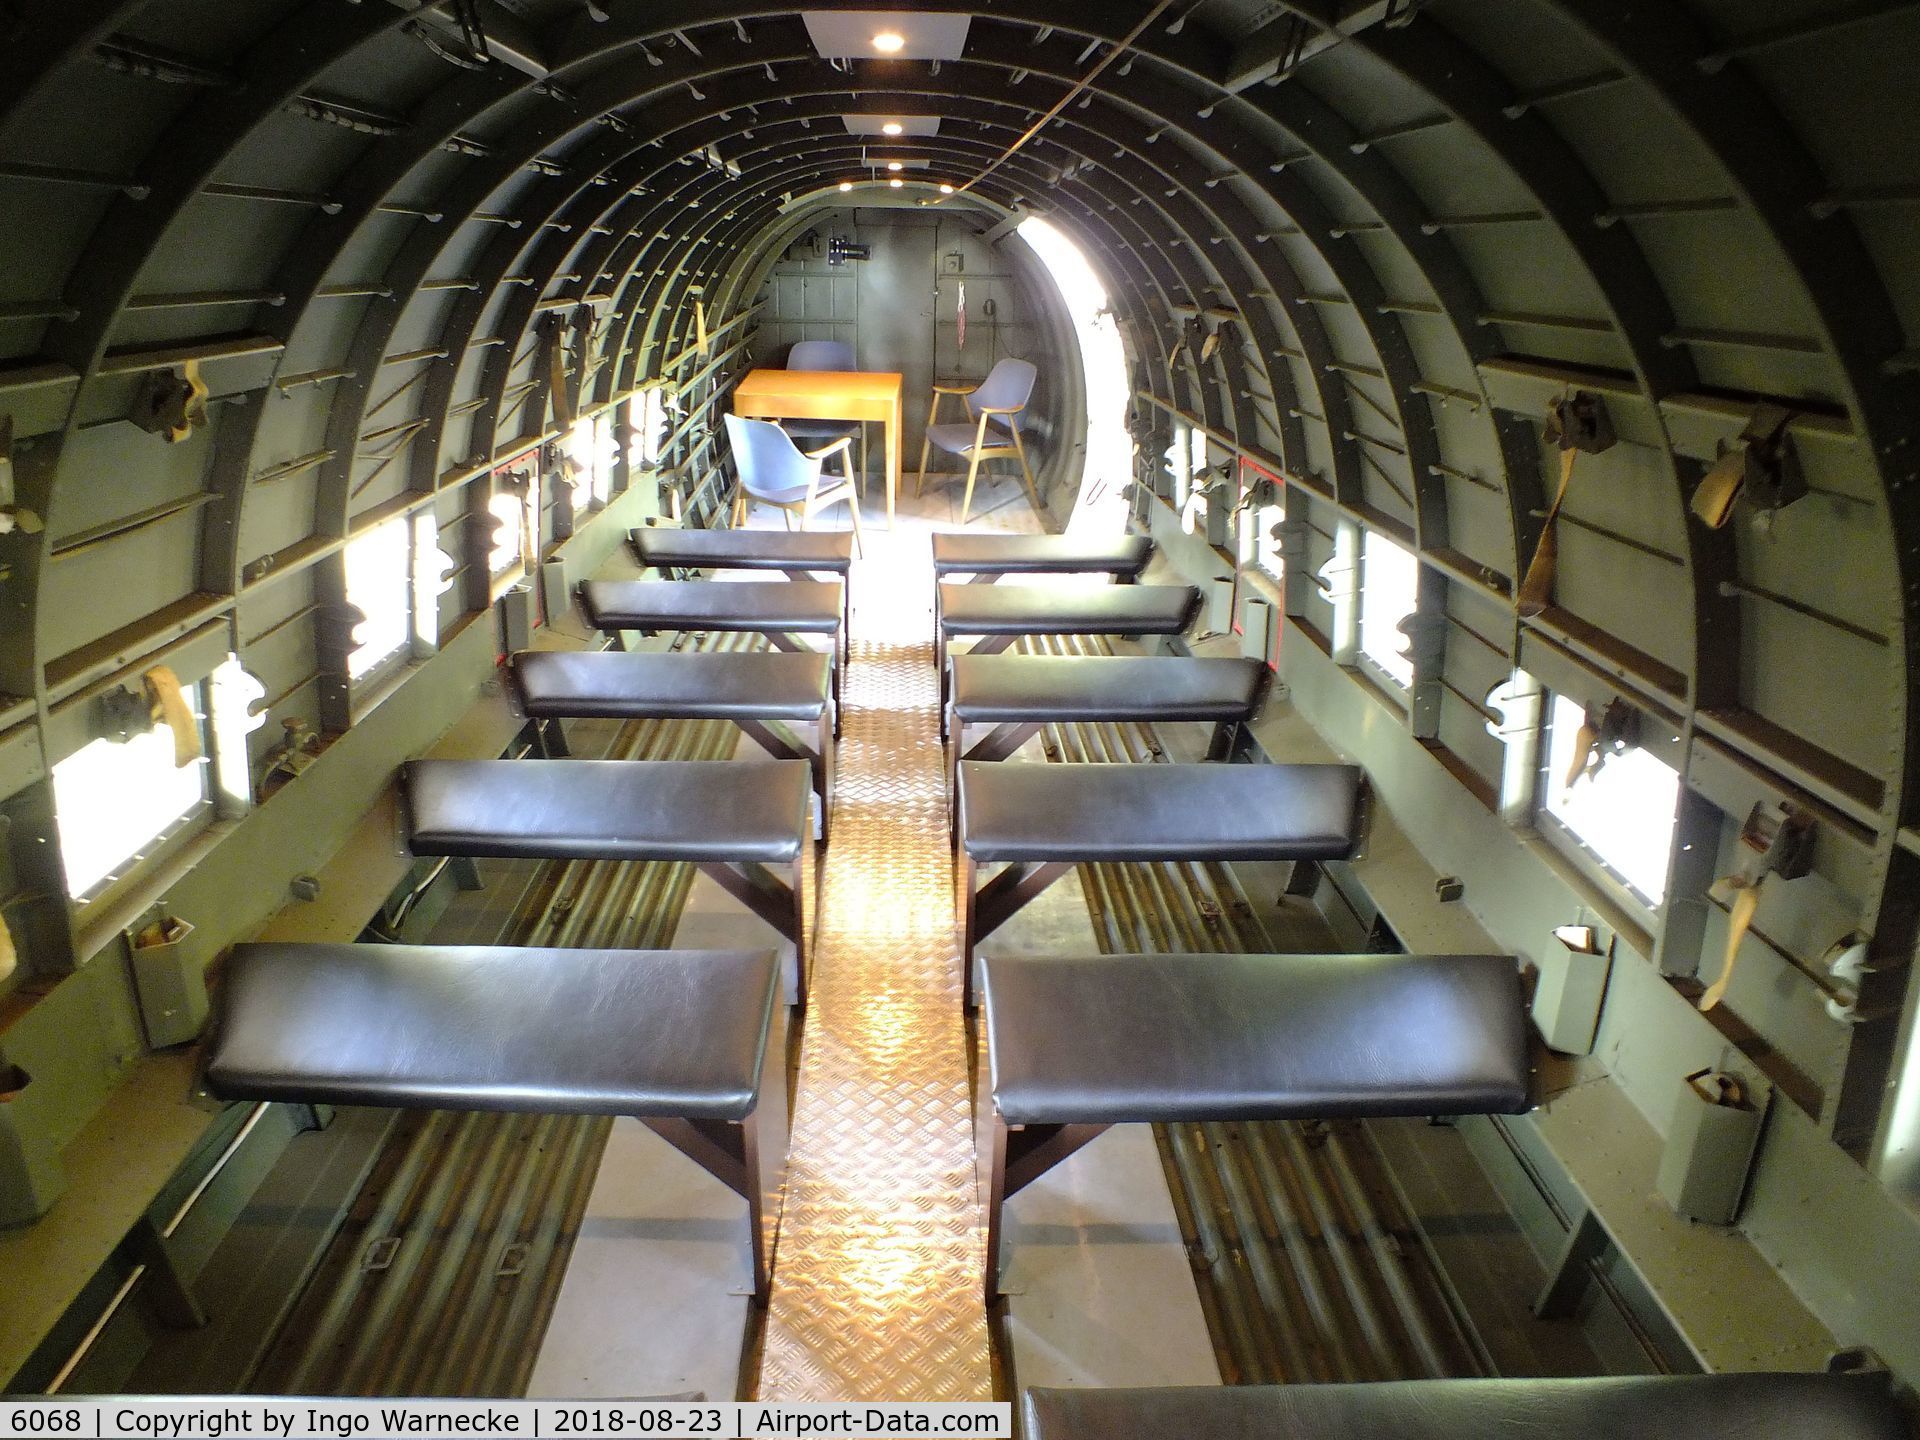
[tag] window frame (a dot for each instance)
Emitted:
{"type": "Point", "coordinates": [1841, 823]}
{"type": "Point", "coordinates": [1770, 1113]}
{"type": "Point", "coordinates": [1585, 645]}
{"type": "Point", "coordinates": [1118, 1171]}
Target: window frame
{"type": "Point", "coordinates": [1570, 845]}
{"type": "Point", "coordinates": [394, 659]}
{"type": "Point", "coordinates": [167, 841]}
{"type": "Point", "coordinates": [1370, 665]}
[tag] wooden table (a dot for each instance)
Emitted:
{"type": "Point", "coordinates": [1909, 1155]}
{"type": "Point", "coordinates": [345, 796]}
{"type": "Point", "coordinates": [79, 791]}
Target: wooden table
{"type": "Point", "coordinates": [830, 395]}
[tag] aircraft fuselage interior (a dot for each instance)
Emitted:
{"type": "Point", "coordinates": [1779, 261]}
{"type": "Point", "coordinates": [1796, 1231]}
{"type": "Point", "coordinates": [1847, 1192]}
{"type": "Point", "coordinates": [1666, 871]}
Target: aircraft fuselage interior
{"type": "Point", "coordinates": [1182, 718]}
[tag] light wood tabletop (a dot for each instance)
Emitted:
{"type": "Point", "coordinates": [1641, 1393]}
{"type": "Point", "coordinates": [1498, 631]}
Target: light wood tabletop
{"type": "Point", "coordinates": [867, 395]}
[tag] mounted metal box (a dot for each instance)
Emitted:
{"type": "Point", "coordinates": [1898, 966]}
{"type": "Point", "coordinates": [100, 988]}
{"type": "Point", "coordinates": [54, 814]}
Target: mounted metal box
{"type": "Point", "coordinates": [30, 1175]}
{"type": "Point", "coordinates": [1568, 995]}
{"type": "Point", "coordinates": [1709, 1149]}
{"type": "Point", "coordinates": [516, 618]}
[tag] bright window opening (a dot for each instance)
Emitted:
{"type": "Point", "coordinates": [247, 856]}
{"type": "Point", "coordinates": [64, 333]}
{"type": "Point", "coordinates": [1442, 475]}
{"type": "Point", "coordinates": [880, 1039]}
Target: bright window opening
{"type": "Point", "coordinates": [116, 802]}
{"type": "Point", "coordinates": [1187, 458]}
{"type": "Point", "coordinates": [513, 521]}
{"type": "Point", "coordinates": [647, 420]}
{"type": "Point", "coordinates": [1389, 591]}
{"type": "Point", "coordinates": [380, 587]}
{"type": "Point", "coordinates": [591, 449]}
{"type": "Point", "coordinates": [1102, 506]}
{"type": "Point", "coordinates": [1622, 814]}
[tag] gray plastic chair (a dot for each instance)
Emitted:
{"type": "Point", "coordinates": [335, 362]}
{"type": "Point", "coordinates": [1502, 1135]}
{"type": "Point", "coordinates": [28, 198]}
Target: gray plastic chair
{"type": "Point", "coordinates": [994, 434]}
{"type": "Point", "coordinates": [826, 355]}
{"type": "Point", "coordinates": [775, 471]}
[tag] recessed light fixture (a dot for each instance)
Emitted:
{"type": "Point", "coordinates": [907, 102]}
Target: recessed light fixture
{"type": "Point", "coordinates": [896, 184]}
{"type": "Point", "coordinates": [895, 165]}
{"type": "Point", "coordinates": [946, 189]}
{"type": "Point", "coordinates": [845, 185]}
{"type": "Point", "coordinates": [889, 42]}
{"type": "Point", "coordinates": [892, 127]}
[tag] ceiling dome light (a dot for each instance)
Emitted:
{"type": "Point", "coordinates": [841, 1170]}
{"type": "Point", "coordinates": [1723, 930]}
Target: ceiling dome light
{"type": "Point", "coordinates": [895, 165]}
{"type": "Point", "coordinates": [892, 127]}
{"type": "Point", "coordinates": [946, 189]}
{"type": "Point", "coordinates": [889, 42]}
{"type": "Point", "coordinates": [845, 185]}
{"type": "Point", "coordinates": [896, 184]}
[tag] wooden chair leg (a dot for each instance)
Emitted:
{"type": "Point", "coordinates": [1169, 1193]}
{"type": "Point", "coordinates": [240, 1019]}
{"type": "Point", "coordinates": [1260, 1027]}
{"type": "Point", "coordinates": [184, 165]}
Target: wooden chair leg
{"type": "Point", "coordinates": [1026, 470]}
{"type": "Point", "coordinates": [926, 447]}
{"type": "Point", "coordinates": [853, 493]}
{"type": "Point", "coordinates": [739, 507]}
{"type": "Point", "coordinates": [973, 471]}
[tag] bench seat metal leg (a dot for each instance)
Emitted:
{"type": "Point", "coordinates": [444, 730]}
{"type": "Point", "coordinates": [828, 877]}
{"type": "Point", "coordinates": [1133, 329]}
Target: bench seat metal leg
{"type": "Point", "coordinates": [989, 906]}
{"type": "Point", "coordinates": [1013, 1158]}
{"type": "Point", "coordinates": [748, 1157]}
{"type": "Point", "coordinates": [782, 745]}
{"type": "Point", "coordinates": [782, 905]}
{"type": "Point", "coordinates": [997, 744]}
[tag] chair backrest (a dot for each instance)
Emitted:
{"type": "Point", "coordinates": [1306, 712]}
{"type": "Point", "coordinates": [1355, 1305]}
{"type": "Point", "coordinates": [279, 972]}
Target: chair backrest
{"type": "Point", "coordinates": [1007, 387]}
{"type": "Point", "coordinates": [770, 464]}
{"type": "Point", "coordinates": [821, 355]}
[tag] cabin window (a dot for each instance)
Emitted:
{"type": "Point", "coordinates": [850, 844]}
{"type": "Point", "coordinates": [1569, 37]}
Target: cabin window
{"type": "Point", "coordinates": [1619, 817]}
{"type": "Point", "coordinates": [647, 419]}
{"type": "Point", "coordinates": [1187, 459]}
{"type": "Point", "coordinates": [379, 584]}
{"type": "Point", "coordinates": [117, 802]}
{"type": "Point", "coordinates": [1259, 546]}
{"type": "Point", "coordinates": [513, 519]}
{"type": "Point", "coordinates": [1389, 592]}
{"type": "Point", "coordinates": [591, 449]}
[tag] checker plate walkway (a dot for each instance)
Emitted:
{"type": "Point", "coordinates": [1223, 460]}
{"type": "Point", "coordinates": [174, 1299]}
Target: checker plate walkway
{"type": "Point", "coordinates": [876, 1287]}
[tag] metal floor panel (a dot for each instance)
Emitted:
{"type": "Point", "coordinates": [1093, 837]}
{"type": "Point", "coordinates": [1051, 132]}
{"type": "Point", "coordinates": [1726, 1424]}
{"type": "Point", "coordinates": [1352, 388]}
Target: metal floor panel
{"type": "Point", "coordinates": [876, 1287]}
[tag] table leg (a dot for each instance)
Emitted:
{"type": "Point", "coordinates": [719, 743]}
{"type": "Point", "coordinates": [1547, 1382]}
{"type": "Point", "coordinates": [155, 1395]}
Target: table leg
{"type": "Point", "coordinates": [894, 423]}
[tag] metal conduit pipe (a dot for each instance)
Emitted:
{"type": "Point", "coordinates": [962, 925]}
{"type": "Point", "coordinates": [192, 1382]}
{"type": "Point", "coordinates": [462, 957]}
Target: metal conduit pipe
{"type": "Point", "coordinates": [1250, 1347]}
{"type": "Point", "coordinates": [385, 1217]}
{"type": "Point", "coordinates": [459, 1343]}
{"type": "Point", "coordinates": [1298, 1246]}
{"type": "Point", "coordinates": [550, 1276]}
{"type": "Point", "coordinates": [533, 1136]}
{"type": "Point", "coordinates": [471, 1201]}
{"type": "Point", "coordinates": [1339, 1250]}
{"type": "Point", "coordinates": [503, 1342]}
{"type": "Point", "coordinates": [1390, 1259]}
{"type": "Point", "coordinates": [1275, 1298]}
{"type": "Point", "coordinates": [415, 1234]}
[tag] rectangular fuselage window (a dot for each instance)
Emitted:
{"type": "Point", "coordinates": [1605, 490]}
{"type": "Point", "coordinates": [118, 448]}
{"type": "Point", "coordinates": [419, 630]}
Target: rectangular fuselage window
{"type": "Point", "coordinates": [1618, 814]}
{"type": "Point", "coordinates": [380, 587]}
{"type": "Point", "coordinates": [1389, 591]}
{"type": "Point", "coordinates": [116, 802]}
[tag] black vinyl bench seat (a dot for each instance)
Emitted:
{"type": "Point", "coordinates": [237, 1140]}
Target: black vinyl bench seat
{"type": "Point", "coordinates": [798, 553]}
{"type": "Point", "coordinates": [1020, 693]}
{"type": "Point", "coordinates": [1080, 1043]}
{"type": "Point", "coordinates": [1001, 614]}
{"type": "Point", "coordinates": [1040, 820]}
{"type": "Point", "coordinates": [987, 557]}
{"type": "Point", "coordinates": [687, 1041]}
{"type": "Point", "coordinates": [1644, 1407]}
{"type": "Point", "coordinates": [761, 691]}
{"type": "Point", "coordinates": [732, 818]}
{"type": "Point", "coordinates": [781, 610]}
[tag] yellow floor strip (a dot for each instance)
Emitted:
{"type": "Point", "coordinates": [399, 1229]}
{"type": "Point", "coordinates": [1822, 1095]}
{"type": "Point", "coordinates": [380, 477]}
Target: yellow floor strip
{"type": "Point", "coordinates": [876, 1291]}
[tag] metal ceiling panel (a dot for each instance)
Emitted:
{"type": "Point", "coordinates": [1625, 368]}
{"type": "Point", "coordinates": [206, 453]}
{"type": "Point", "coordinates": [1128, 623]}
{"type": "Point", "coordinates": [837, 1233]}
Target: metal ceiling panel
{"type": "Point", "coordinates": [849, 34]}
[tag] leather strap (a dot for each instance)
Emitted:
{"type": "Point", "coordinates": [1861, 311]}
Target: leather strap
{"type": "Point", "coordinates": [169, 703]}
{"type": "Point", "coordinates": [557, 381]}
{"type": "Point", "coordinates": [1746, 899]}
{"type": "Point", "coordinates": [1536, 590]}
